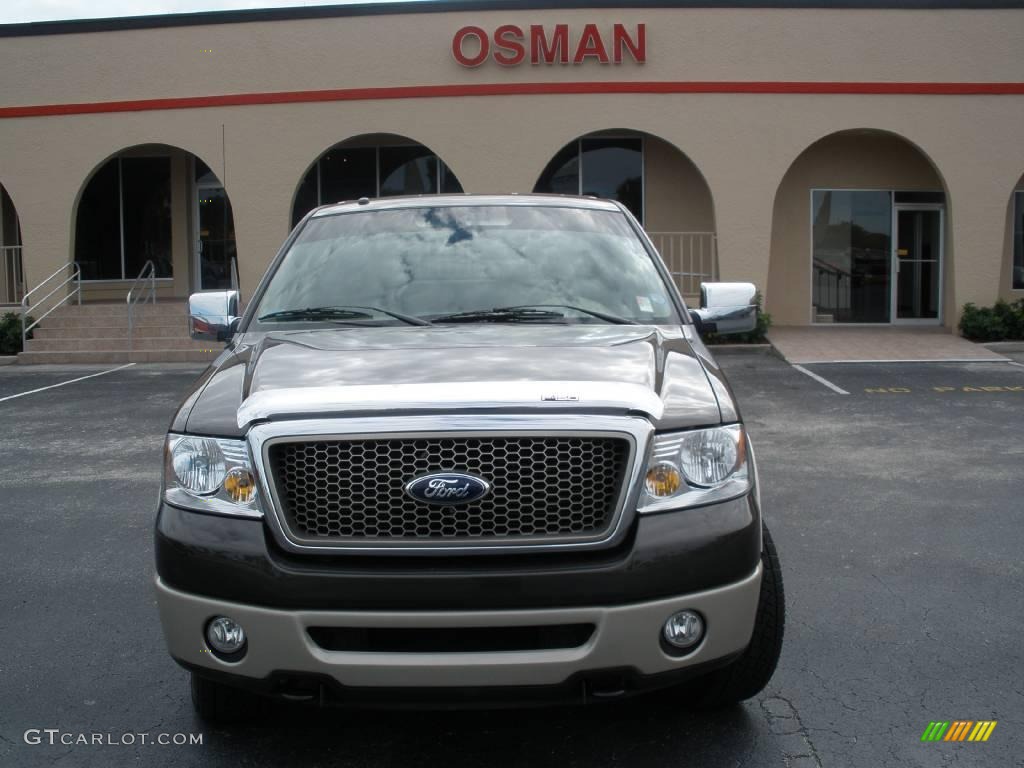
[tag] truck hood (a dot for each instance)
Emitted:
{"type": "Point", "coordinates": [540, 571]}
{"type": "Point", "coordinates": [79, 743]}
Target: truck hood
{"type": "Point", "coordinates": [648, 370]}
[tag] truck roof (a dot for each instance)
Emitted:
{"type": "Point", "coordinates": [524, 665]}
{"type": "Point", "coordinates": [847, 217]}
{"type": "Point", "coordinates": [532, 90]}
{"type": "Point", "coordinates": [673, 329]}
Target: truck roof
{"type": "Point", "coordinates": [422, 201]}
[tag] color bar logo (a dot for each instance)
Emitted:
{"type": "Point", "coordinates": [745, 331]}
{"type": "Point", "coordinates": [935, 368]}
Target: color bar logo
{"type": "Point", "coordinates": [959, 730]}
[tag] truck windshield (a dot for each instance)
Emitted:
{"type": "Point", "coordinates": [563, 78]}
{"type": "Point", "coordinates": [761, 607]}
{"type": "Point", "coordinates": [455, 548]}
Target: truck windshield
{"type": "Point", "coordinates": [471, 263]}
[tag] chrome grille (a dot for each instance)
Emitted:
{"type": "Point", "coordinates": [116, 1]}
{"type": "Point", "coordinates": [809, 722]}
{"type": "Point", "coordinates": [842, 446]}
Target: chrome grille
{"type": "Point", "coordinates": [545, 487]}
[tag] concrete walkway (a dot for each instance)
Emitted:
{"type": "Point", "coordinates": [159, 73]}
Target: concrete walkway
{"type": "Point", "coordinates": [836, 344]}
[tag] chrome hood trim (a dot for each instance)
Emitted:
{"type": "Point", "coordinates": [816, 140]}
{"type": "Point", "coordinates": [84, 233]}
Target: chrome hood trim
{"type": "Point", "coordinates": [533, 396]}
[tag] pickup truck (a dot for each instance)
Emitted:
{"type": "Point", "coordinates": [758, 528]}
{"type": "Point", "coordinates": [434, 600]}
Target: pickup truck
{"type": "Point", "coordinates": [464, 450]}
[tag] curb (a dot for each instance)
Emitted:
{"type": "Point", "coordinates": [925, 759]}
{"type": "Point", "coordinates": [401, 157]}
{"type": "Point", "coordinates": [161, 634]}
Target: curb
{"type": "Point", "coordinates": [742, 349]}
{"type": "Point", "coordinates": [1004, 346]}
{"type": "Point", "coordinates": [8, 360]}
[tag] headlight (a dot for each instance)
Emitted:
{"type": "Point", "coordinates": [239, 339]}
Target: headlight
{"type": "Point", "coordinates": [210, 475]}
{"type": "Point", "coordinates": [688, 469]}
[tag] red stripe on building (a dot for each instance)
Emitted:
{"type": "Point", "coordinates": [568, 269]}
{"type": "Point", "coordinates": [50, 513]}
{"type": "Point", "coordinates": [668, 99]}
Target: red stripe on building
{"type": "Point", "coordinates": [514, 89]}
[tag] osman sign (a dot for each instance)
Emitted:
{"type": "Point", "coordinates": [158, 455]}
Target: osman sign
{"type": "Point", "coordinates": [510, 45]}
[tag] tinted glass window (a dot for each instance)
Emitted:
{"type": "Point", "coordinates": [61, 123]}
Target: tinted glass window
{"type": "Point", "coordinates": [407, 171]}
{"type": "Point", "coordinates": [449, 183]}
{"type": "Point", "coordinates": [306, 196]}
{"type": "Point", "coordinates": [11, 234]}
{"type": "Point", "coordinates": [98, 226]}
{"type": "Point", "coordinates": [562, 175]}
{"type": "Point", "coordinates": [348, 174]}
{"type": "Point", "coordinates": [614, 169]}
{"type": "Point", "coordinates": [124, 219]}
{"type": "Point", "coordinates": [439, 260]}
{"type": "Point", "coordinates": [920, 197]}
{"type": "Point", "coordinates": [607, 168]}
{"type": "Point", "coordinates": [852, 256]}
{"type": "Point", "coordinates": [146, 191]}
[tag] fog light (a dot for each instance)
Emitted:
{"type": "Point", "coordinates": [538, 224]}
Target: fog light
{"type": "Point", "coordinates": [683, 630]}
{"type": "Point", "coordinates": [225, 635]}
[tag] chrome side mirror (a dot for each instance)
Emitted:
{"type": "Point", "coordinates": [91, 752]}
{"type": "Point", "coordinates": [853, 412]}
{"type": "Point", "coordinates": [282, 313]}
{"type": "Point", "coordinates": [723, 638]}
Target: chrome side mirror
{"type": "Point", "coordinates": [726, 308]}
{"type": "Point", "coordinates": [212, 316]}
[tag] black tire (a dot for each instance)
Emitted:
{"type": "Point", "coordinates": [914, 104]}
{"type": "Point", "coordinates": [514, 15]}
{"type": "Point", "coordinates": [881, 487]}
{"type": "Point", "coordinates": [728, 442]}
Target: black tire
{"type": "Point", "coordinates": [218, 703]}
{"type": "Point", "coordinates": [749, 674]}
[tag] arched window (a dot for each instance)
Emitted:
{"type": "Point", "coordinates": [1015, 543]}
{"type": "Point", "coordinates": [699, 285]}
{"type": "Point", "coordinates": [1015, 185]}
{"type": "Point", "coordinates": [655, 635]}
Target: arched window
{"type": "Point", "coordinates": [129, 213]}
{"type": "Point", "coordinates": [124, 219]}
{"type": "Point", "coordinates": [355, 169]}
{"type": "Point", "coordinates": [607, 167]}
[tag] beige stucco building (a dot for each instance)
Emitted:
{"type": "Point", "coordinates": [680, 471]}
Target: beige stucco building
{"type": "Point", "coordinates": [859, 161]}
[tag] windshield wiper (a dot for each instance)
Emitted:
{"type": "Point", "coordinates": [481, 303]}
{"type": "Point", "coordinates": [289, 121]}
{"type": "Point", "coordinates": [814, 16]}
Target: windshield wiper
{"type": "Point", "coordinates": [606, 316]}
{"type": "Point", "coordinates": [501, 315]}
{"type": "Point", "coordinates": [339, 313]}
{"type": "Point", "coordinates": [525, 313]}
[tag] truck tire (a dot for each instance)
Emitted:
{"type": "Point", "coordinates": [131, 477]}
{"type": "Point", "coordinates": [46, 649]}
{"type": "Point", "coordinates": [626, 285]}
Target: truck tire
{"type": "Point", "coordinates": [749, 674]}
{"type": "Point", "coordinates": [218, 703]}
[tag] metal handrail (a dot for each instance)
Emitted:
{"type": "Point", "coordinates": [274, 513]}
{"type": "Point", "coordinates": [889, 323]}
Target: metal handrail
{"type": "Point", "coordinates": [148, 272]}
{"type": "Point", "coordinates": [75, 277]}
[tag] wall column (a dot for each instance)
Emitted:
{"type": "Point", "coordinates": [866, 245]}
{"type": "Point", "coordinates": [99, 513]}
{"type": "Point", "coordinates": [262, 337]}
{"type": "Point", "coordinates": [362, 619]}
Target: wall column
{"type": "Point", "coordinates": [979, 184]}
{"type": "Point", "coordinates": [261, 203]}
{"type": "Point", "coordinates": [978, 217]}
{"type": "Point", "coordinates": [46, 227]}
{"type": "Point", "coordinates": [181, 223]}
{"type": "Point", "coordinates": [743, 214]}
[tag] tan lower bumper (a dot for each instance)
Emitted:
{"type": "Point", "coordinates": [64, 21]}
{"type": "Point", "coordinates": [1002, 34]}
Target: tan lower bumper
{"type": "Point", "coordinates": [625, 636]}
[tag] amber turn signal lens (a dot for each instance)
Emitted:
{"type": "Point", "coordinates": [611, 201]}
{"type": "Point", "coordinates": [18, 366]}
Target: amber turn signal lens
{"type": "Point", "coordinates": [663, 480]}
{"type": "Point", "coordinates": [240, 486]}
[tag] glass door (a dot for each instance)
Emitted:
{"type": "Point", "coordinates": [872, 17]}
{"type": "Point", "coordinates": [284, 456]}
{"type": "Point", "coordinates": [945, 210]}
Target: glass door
{"type": "Point", "coordinates": [917, 264]}
{"type": "Point", "coordinates": [214, 233]}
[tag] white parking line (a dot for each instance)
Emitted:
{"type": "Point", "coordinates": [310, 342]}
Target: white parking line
{"type": "Point", "coordinates": [63, 383]}
{"type": "Point", "coordinates": [820, 380]}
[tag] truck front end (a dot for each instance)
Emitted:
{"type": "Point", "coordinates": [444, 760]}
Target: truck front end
{"type": "Point", "coordinates": [429, 469]}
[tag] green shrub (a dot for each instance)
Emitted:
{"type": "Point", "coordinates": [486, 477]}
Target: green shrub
{"type": "Point", "coordinates": [1002, 322]}
{"type": "Point", "coordinates": [757, 336]}
{"type": "Point", "coordinates": [10, 333]}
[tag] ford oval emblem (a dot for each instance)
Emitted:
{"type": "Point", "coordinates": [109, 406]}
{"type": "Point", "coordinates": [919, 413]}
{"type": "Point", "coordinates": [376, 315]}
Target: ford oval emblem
{"type": "Point", "coordinates": [447, 488]}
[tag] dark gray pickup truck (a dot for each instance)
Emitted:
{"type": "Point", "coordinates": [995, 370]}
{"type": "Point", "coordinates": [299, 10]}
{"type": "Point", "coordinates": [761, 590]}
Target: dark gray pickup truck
{"type": "Point", "coordinates": [465, 449]}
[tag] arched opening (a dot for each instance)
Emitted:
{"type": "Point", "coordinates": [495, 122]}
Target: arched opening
{"type": "Point", "coordinates": [859, 235]}
{"type": "Point", "coordinates": [154, 203]}
{"type": "Point", "coordinates": [12, 275]}
{"type": "Point", "coordinates": [372, 165]}
{"type": "Point", "coordinates": [659, 185]}
{"type": "Point", "coordinates": [1012, 279]}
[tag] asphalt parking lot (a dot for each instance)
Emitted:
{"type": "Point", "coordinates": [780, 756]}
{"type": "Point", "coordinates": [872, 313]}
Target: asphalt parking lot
{"type": "Point", "coordinates": [896, 508]}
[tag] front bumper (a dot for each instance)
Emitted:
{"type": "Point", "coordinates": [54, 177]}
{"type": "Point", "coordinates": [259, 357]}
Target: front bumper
{"type": "Point", "coordinates": [626, 638]}
{"type": "Point", "coordinates": [676, 553]}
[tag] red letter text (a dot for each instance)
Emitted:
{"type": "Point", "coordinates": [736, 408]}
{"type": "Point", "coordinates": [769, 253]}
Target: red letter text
{"type": "Point", "coordinates": [459, 40]}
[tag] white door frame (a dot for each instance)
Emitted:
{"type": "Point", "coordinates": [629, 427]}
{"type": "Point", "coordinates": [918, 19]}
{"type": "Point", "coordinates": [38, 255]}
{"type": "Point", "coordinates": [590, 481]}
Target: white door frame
{"type": "Point", "coordinates": [894, 263]}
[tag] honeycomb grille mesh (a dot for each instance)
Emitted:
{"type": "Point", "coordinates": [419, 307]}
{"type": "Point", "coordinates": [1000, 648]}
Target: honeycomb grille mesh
{"type": "Point", "coordinates": [542, 487]}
